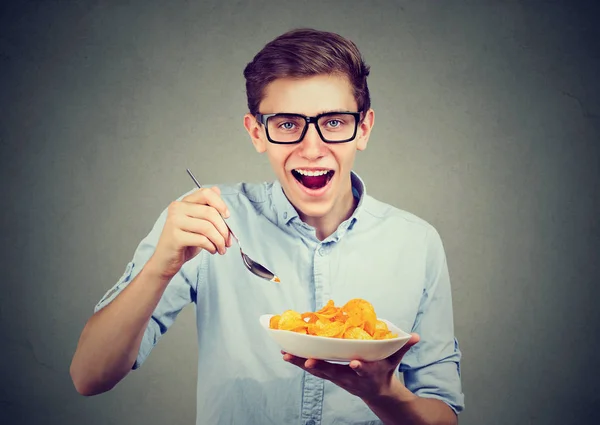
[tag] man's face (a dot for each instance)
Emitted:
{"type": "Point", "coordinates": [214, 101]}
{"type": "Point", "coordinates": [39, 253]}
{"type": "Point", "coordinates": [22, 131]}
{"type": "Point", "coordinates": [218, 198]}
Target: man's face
{"type": "Point", "coordinates": [329, 192]}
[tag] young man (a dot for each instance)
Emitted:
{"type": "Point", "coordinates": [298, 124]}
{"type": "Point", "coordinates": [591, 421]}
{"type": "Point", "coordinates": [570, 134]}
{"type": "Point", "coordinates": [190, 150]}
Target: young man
{"type": "Point", "coordinates": [325, 237]}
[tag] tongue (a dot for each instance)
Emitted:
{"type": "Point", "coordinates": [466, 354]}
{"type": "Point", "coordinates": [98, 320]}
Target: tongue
{"type": "Point", "coordinates": [314, 182]}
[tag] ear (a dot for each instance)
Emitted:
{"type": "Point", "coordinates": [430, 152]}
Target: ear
{"type": "Point", "coordinates": [364, 130]}
{"type": "Point", "coordinates": [256, 134]}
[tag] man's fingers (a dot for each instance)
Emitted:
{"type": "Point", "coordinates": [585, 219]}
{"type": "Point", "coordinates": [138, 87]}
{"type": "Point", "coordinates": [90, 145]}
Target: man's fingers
{"type": "Point", "coordinates": [189, 239]}
{"type": "Point", "coordinates": [301, 362]}
{"type": "Point", "coordinates": [290, 358]}
{"type": "Point", "coordinates": [205, 213]}
{"type": "Point", "coordinates": [320, 368]}
{"type": "Point", "coordinates": [359, 367]}
{"type": "Point", "coordinates": [368, 368]}
{"type": "Point", "coordinates": [204, 228]}
{"type": "Point", "coordinates": [209, 196]}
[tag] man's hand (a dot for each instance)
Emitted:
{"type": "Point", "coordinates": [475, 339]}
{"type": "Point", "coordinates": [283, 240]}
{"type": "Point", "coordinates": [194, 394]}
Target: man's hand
{"type": "Point", "coordinates": [193, 224]}
{"type": "Point", "coordinates": [376, 384]}
{"type": "Point", "coordinates": [363, 379]}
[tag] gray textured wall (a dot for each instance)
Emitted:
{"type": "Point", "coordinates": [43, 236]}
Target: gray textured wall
{"type": "Point", "coordinates": [487, 125]}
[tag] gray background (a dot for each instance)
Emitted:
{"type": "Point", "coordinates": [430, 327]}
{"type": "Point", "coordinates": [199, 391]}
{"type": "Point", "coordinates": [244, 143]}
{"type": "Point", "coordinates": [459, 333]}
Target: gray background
{"type": "Point", "coordinates": [487, 125]}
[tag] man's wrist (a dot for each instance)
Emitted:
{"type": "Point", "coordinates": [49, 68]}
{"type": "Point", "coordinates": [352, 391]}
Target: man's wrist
{"type": "Point", "coordinates": [156, 273]}
{"type": "Point", "coordinates": [395, 391]}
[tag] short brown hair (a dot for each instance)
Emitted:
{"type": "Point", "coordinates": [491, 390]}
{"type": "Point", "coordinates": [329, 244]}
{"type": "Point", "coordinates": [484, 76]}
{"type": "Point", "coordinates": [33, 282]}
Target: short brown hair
{"type": "Point", "coordinates": [302, 53]}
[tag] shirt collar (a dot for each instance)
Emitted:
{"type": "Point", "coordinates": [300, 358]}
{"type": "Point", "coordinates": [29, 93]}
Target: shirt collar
{"type": "Point", "coordinates": [283, 207]}
{"type": "Point", "coordinates": [286, 212]}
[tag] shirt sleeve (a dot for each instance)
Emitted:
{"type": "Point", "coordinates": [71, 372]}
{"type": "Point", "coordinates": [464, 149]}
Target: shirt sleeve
{"type": "Point", "coordinates": [432, 367]}
{"type": "Point", "coordinates": [180, 291]}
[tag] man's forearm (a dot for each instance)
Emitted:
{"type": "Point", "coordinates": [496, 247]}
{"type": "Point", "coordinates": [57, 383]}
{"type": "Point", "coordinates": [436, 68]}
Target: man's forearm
{"type": "Point", "coordinates": [110, 340]}
{"type": "Point", "coordinates": [401, 407]}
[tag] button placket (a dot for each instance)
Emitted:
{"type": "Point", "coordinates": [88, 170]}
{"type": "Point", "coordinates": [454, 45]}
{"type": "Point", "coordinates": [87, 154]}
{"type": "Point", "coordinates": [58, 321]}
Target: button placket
{"type": "Point", "coordinates": [314, 388]}
{"type": "Point", "coordinates": [324, 249]}
{"type": "Point", "coordinates": [312, 399]}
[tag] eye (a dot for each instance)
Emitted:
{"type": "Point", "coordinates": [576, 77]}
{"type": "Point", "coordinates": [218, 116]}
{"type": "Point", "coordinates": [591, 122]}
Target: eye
{"type": "Point", "coordinates": [287, 125]}
{"type": "Point", "coordinates": [334, 123]}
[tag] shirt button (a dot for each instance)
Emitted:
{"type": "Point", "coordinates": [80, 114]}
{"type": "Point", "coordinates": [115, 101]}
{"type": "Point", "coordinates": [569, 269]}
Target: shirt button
{"type": "Point", "coordinates": [285, 215]}
{"type": "Point", "coordinates": [310, 422]}
{"type": "Point", "coordinates": [322, 252]}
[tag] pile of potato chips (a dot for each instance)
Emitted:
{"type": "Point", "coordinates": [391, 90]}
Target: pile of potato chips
{"type": "Point", "coordinates": [355, 320]}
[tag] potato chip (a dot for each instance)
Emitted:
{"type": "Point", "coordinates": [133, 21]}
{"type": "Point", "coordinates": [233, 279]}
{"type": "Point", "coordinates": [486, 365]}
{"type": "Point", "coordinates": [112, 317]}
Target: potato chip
{"type": "Point", "coordinates": [327, 328]}
{"type": "Point", "coordinates": [382, 331]}
{"type": "Point", "coordinates": [274, 322]}
{"type": "Point", "coordinates": [355, 320]}
{"type": "Point", "coordinates": [380, 325]}
{"type": "Point", "coordinates": [357, 333]}
{"type": "Point", "coordinates": [312, 317]}
{"type": "Point", "coordinates": [329, 306]}
{"type": "Point", "coordinates": [327, 312]}
{"type": "Point", "coordinates": [361, 314]}
{"type": "Point", "coordinates": [340, 316]}
{"type": "Point", "coordinates": [291, 320]}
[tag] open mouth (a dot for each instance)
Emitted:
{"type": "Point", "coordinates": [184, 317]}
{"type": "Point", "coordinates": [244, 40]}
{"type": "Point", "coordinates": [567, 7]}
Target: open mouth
{"type": "Point", "coordinates": [313, 179]}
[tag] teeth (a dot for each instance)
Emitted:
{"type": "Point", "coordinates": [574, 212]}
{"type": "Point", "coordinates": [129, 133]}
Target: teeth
{"type": "Point", "coordinates": [312, 173]}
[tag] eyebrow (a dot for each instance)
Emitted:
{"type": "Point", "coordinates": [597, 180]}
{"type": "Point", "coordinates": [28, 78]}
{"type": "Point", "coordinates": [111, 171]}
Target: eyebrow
{"type": "Point", "coordinates": [333, 111]}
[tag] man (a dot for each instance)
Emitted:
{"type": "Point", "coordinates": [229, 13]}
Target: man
{"type": "Point", "coordinates": [310, 112]}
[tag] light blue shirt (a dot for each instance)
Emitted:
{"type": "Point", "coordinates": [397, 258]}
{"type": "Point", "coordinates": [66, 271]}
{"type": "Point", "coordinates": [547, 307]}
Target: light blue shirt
{"type": "Point", "coordinates": [387, 256]}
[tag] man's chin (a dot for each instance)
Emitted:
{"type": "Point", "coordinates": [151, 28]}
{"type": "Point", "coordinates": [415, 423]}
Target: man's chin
{"type": "Point", "coordinates": [313, 210]}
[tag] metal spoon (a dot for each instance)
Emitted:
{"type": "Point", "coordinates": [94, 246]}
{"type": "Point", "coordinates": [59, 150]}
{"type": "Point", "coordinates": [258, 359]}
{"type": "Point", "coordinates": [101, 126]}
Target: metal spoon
{"type": "Point", "coordinates": [254, 267]}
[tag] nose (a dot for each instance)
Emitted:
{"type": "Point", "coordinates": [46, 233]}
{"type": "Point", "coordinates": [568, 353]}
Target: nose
{"type": "Point", "coordinates": [311, 146]}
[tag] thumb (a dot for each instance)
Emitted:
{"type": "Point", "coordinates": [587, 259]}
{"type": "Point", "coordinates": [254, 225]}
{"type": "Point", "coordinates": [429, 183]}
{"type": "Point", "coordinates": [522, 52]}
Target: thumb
{"type": "Point", "coordinates": [398, 355]}
{"type": "Point", "coordinates": [365, 368]}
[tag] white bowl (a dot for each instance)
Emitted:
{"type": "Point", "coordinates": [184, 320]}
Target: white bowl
{"type": "Point", "coordinates": [336, 349]}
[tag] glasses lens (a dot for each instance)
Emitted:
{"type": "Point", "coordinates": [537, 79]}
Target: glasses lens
{"type": "Point", "coordinates": [286, 128]}
{"type": "Point", "coordinates": [337, 126]}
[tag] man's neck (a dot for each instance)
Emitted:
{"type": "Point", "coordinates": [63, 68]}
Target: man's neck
{"type": "Point", "coordinates": [327, 225]}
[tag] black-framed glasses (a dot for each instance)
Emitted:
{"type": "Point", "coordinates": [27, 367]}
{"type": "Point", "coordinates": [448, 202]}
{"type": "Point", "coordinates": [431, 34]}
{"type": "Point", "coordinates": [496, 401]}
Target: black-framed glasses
{"type": "Point", "coordinates": [333, 127]}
